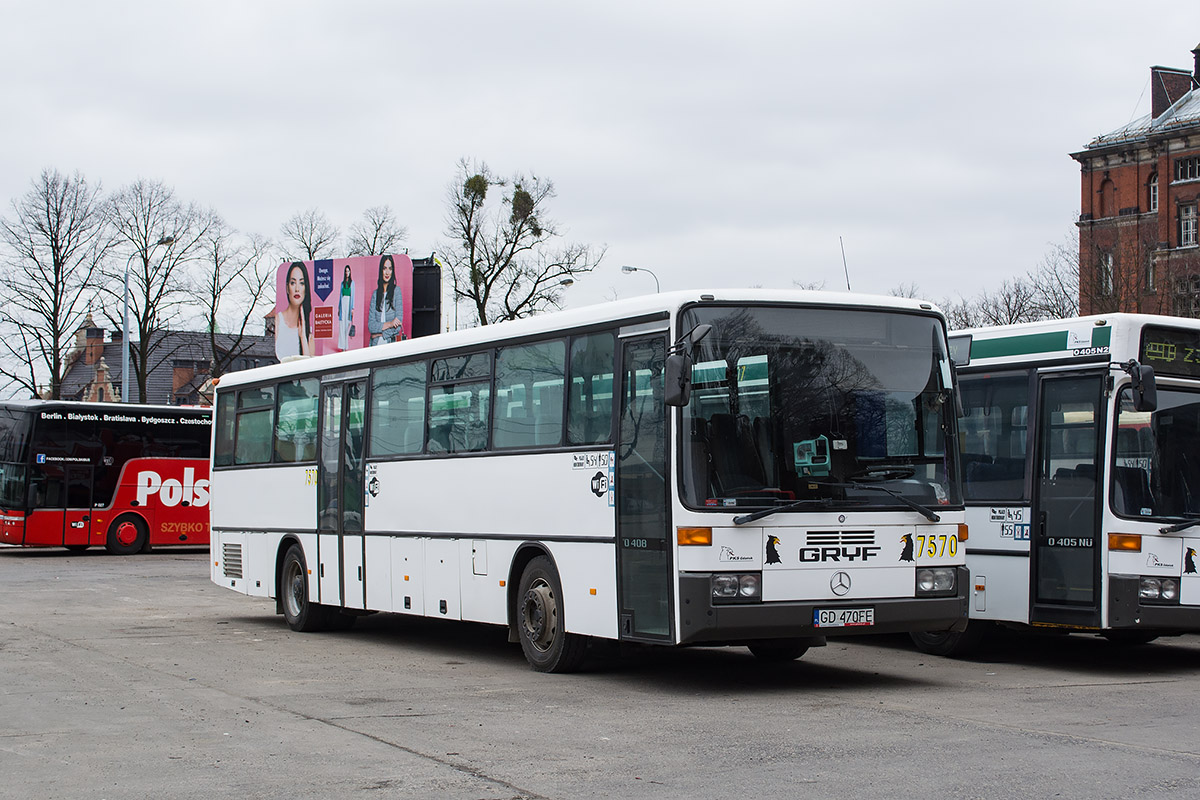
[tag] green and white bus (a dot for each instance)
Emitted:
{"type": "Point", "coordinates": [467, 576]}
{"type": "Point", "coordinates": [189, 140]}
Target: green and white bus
{"type": "Point", "coordinates": [1081, 462]}
{"type": "Point", "coordinates": [750, 468]}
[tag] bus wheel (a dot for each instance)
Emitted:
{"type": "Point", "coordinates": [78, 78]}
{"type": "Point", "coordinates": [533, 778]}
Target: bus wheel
{"type": "Point", "coordinates": [547, 647]}
{"type": "Point", "coordinates": [779, 651]}
{"type": "Point", "coordinates": [300, 613]}
{"type": "Point", "coordinates": [127, 535]}
{"type": "Point", "coordinates": [949, 643]}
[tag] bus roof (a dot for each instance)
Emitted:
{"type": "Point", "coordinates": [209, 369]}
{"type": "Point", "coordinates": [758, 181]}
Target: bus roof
{"type": "Point", "coordinates": [666, 303]}
{"type": "Point", "coordinates": [1115, 336]}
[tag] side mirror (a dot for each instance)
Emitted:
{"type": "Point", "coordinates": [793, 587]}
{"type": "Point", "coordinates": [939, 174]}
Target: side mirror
{"type": "Point", "coordinates": [1145, 391]}
{"type": "Point", "coordinates": [677, 380]}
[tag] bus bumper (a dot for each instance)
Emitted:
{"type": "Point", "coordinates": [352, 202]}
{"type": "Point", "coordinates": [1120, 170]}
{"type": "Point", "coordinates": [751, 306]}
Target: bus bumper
{"type": "Point", "coordinates": [1127, 612]}
{"type": "Point", "coordinates": [702, 622]}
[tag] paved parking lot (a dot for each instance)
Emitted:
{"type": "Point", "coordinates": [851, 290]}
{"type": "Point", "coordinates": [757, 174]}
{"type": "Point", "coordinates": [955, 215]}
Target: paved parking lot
{"type": "Point", "coordinates": [137, 677]}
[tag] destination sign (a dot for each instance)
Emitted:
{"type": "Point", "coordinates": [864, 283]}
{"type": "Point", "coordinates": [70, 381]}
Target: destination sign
{"type": "Point", "coordinates": [1171, 351]}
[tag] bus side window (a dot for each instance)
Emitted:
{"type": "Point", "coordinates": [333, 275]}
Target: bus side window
{"type": "Point", "coordinates": [529, 383]}
{"type": "Point", "coordinates": [296, 421]}
{"type": "Point", "coordinates": [993, 436]}
{"type": "Point", "coordinates": [589, 409]}
{"type": "Point", "coordinates": [398, 410]}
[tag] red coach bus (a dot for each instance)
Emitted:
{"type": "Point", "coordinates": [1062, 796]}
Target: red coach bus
{"type": "Point", "coordinates": [127, 477]}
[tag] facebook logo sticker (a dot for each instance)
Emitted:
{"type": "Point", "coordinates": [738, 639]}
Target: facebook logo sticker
{"type": "Point", "coordinates": [41, 459]}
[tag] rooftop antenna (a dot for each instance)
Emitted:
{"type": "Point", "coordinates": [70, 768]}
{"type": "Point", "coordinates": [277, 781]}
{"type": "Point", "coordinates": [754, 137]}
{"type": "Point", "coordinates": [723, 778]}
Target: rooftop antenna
{"type": "Point", "coordinates": [844, 266]}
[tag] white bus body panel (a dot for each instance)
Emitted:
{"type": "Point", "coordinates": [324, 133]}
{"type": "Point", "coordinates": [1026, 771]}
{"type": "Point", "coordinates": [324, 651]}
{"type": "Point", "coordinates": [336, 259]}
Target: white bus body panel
{"type": "Point", "coordinates": [999, 530]}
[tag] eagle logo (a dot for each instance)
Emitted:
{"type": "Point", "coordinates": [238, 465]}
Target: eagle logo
{"type": "Point", "coordinates": [772, 551]}
{"type": "Point", "coordinates": [1189, 562]}
{"type": "Point", "coordinates": [907, 553]}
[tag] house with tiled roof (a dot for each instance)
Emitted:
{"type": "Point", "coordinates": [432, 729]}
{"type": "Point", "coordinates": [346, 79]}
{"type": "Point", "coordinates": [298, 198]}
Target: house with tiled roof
{"type": "Point", "coordinates": [1138, 240]}
{"type": "Point", "coordinates": [180, 366]}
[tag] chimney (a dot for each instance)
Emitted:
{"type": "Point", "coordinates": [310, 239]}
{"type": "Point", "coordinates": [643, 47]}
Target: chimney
{"type": "Point", "coordinates": [1196, 74]}
{"type": "Point", "coordinates": [1167, 85]}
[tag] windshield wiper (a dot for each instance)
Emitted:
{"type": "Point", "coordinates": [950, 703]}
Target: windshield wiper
{"type": "Point", "coordinates": [924, 511]}
{"type": "Point", "coordinates": [1180, 526]}
{"type": "Point", "coordinates": [766, 512]}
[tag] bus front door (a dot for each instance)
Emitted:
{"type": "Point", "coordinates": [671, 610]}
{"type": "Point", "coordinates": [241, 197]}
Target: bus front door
{"type": "Point", "coordinates": [340, 544]}
{"type": "Point", "coordinates": [1065, 545]}
{"type": "Point", "coordinates": [643, 500]}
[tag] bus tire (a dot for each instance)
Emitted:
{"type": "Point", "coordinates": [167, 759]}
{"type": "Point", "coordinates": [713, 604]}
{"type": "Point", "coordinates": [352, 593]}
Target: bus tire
{"type": "Point", "coordinates": [547, 646]}
{"type": "Point", "coordinates": [302, 614]}
{"type": "Point", "coordinates": [949, 643]}
{"type": "Point", "coordinates": [779, 651]}
{"type": "Point", "coordinates": [127, 535]}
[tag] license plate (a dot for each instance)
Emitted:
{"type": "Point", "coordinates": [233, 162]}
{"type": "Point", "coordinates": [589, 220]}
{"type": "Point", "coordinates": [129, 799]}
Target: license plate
{"type": "Point", "coordinates": [843, 617]}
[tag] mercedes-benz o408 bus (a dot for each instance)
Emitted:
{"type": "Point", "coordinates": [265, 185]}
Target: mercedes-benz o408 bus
{"type": "Point", "coordinates": [756, 468]}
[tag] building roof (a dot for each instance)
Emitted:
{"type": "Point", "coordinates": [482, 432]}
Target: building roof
{"type": "Point", "coordinates": [1183, 113]}
{"type": "Point", "coordinates": [189, 347]}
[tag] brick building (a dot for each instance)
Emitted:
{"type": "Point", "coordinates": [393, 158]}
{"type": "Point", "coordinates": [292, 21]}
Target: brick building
{"type": "Point", "coordinates": [179, 369]}
{"type": "Point", "coordinates": [1138, 245]}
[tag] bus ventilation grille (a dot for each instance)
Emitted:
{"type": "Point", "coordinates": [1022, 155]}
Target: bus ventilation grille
{"type": "Point", "coordinates": [232, 559]}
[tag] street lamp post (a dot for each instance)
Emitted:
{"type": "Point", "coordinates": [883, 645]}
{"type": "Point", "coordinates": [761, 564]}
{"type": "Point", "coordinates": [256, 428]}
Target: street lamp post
{"type": "Point", "coordinates": [165, 240]}
{"type": "Point", "coordinates": [628, 269]}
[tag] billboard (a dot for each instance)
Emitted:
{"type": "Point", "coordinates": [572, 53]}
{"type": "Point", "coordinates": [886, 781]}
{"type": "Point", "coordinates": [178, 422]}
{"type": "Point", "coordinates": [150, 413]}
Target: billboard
{"type": "Point", "coordinates": [337, 304]}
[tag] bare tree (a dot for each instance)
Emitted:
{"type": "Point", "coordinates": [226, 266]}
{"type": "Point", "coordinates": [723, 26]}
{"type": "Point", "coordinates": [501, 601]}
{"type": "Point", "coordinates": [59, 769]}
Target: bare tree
{"type": "Point", "coordinates": [234, 280]}
{"type": "Point", "coordinates": [160, 237]}
{"type": "Point", "coordinates": [962, 313]}
{"type": "Point", "coordinates": [309, 235]}
{"type": "Point", "coordinates": [909, 290]}
{"type": "Point", "coordinates": [57, 238]}
{"type": "Point", "coordinates": [502, 257]}
{"type": "Point", "coordinates": [1013, 302]}
{"type": "Point", "coordinates": [1055, 282]}
{"type": "Point", "coordinates": [376, 234]}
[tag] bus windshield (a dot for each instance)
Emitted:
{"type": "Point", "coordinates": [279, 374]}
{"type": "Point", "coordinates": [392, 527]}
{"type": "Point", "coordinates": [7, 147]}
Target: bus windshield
{"type": "Point", "coordinates": [1156, 457]}
{"type": "Point", "coordinates": [14, 439]}
{"type": "Point", "coordinates": [841, 407]}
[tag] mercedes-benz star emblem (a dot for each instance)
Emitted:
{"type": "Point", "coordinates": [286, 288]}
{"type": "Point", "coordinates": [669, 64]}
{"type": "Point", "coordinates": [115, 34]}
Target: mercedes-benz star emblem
{"type": "Point", "coordinates": [840, 583]}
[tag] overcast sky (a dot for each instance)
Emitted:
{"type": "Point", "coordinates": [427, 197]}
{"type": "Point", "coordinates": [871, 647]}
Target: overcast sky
{"type": "Point", "coordinates": [718, 144]}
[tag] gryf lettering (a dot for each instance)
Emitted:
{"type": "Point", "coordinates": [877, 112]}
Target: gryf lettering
{"type": "Point", "coordinates": [822, 554]}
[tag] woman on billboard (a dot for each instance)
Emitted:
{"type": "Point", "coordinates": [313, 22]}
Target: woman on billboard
{"type": "Point", "coordinates": [293, 325]}
{"type": "Point", "coordinates": [385, 314]}
{"type": "Point", "coordinates": [346, 311]}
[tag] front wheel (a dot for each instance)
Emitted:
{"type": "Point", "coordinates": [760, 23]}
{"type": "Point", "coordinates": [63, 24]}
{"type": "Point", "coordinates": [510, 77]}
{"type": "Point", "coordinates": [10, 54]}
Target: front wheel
{"type": "Point", "coordinates": [546, 644]}
{"type": "Point", "coordinates": [949, 643]}
{"type": "Point", "coordinates": [300, 613]}
{"type": "Point", "coordinates": [127, 535]}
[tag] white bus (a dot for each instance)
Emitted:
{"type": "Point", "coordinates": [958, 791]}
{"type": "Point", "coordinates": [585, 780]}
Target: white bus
{"type": "Point", "coordinates": [565, 476]}
{"type": "Point", "coordinates": [1082, 481]}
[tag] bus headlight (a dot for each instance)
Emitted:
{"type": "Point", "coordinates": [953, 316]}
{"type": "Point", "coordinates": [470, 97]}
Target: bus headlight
{"type": "Point", "coordinates": [744, 587]}
{"type": "Point", "coordinates": [1158, 590]}
{"type": "Point", "coordinates": [936, 580]}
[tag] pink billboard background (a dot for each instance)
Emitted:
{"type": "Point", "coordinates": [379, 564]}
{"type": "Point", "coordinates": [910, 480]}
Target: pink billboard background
{"type": "Point", "coordinates": [335, 319]}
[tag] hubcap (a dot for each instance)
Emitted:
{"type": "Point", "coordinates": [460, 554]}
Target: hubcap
{"type": "Point", "coordinates": [540, 616]}
{"type": "Point", "coordinates": [127, 533]}
{"type": "Point", "coordinates": [295, 595]}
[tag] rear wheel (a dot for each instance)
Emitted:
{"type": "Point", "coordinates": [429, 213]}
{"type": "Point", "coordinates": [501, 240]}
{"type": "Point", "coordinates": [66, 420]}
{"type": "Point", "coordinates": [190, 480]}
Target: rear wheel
{"type": "Point", "coordinates": [949, 643]}
{"type": "Point", "coordinates": [546, 644]}
{"type": "Point", "coordinates": [127, 535]}
{"type": "Point", "coordinates": [300, 613]}
{"type": "Point", "coordinates": [779, 651]}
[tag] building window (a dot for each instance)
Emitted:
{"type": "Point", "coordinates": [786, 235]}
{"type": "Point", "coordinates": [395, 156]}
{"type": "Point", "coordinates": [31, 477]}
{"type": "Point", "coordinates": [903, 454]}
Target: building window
{"type": "Point", "coordinates": [1106, 273]}
{"type": "Point", "coordinates": [1150, 273]}
{"type": "Point", "coordinates": [1108, 199]}
{"type": "Point", "coordinates": [1153, 192]}
{"type": "Point", "coordinates": [1187, 225]}
{"type": "Point", "coordinates": [1187, 169]}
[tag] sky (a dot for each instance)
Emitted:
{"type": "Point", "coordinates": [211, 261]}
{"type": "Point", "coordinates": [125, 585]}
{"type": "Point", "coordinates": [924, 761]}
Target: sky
{"type": "Point", "coordinates": [715, 144]}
